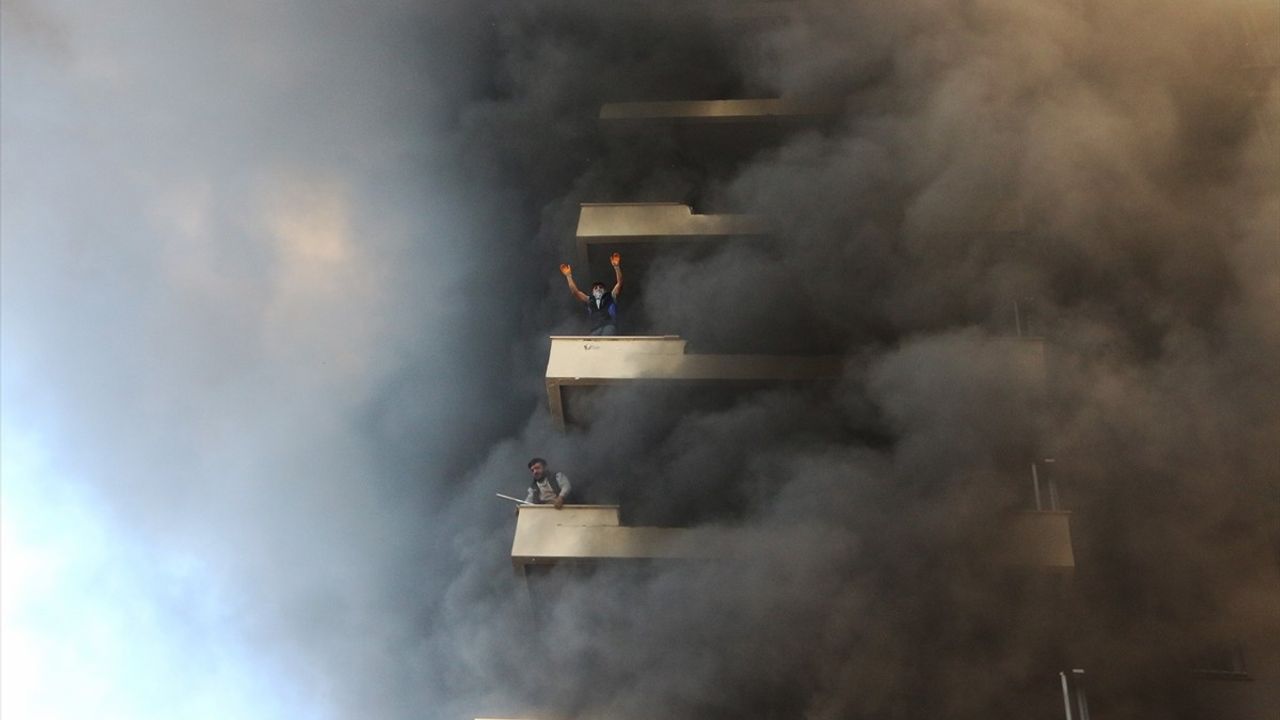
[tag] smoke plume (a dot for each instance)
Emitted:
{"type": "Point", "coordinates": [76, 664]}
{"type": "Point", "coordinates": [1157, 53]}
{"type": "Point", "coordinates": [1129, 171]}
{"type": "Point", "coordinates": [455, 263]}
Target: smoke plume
{"type": "Point", "coordinates": [277, 284]}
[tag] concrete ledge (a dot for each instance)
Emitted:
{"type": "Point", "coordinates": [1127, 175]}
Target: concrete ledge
{"type": "Point", "coordinates": [586, 533]}
{"type": "Point", "coordinates": [621, 223]}
{"type": "Point", "coordinates": [585, 361]}
{"type": "Point", "coordinates": [656, 220]}
{"type": "Point", "coordinates": [546, 536]}
{"type": "Point", "coordinates": [754, 110]}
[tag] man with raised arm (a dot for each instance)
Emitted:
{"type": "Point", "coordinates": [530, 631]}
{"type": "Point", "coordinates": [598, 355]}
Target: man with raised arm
{"type": "Point", "coordinates": [602, 305]}
{"type": "Point", "coordinates": [546, 487]}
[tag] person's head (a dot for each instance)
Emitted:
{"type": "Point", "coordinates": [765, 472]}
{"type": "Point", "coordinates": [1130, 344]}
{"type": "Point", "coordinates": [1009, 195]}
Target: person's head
{"type": "Point", "coordinates": [538, 467]}
{"type": "Point", "coordinates": [597, 290]}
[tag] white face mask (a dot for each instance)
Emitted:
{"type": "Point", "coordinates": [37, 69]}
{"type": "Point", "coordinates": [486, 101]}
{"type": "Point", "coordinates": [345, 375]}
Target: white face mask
{"type": "Point", "coordinates": [597, 293]}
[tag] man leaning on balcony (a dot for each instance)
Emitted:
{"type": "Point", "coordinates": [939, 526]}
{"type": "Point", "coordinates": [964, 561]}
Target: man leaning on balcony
{"type": "Point", "coordinates": [546, 488]}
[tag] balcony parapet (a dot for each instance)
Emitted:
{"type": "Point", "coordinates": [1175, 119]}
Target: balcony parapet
{"type": "Point", "coordinates": [546, 536]}
{"type": "Point", "coordinates": [591, 533]}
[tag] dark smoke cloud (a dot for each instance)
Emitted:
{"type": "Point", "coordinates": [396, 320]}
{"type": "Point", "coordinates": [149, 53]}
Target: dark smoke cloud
{"type": "Point", "coordinates": [272, 299]}
{"type": "Point", "coordinates": [989, 153]}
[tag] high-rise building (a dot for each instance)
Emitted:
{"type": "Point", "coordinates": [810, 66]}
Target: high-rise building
{"type": "Point", "coordinates": [1036, 549]}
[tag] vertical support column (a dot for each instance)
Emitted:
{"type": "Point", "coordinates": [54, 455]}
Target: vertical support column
{"type": "Point", "coordinates": [1075, 703]}
{"type": "Point", "coordinates": [555, 403]}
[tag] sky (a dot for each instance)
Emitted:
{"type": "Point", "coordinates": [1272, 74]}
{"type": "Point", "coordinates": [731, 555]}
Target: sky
{"type": "Point", "coordinates": [272, 332]}
{"type": "Point", "coordinates": [228, 236]}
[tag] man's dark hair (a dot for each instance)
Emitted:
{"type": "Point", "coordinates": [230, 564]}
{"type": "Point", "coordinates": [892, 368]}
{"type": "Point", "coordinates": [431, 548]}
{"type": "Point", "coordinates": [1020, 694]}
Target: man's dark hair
{"type": "Point", "coordinates": [595, 285]}
{"type": "Point", "coordinates": [535, 461]}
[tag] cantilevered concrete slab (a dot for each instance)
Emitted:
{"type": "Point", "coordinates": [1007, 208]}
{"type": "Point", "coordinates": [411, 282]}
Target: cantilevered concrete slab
{"type": "Point", "coordinates": [618, 223]}
{"type": "Point", "coordinates": [577, 361]}
{"type": "Point", "coordinates": [546, 536]}
{"type": "Point", "coordinates": [695, 111]}
{"type": "Point", "coordinates": [583, 361]}
{"type": "Point", "coordinates": [591, 533]}
{"type": "Point", "coordinates": [621, 221]}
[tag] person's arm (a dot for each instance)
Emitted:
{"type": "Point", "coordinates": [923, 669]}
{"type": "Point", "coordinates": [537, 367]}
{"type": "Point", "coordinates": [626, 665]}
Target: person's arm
{"type": "Point", "coordinates": [567, 272]}
{"type": "Point", "coordinates": [563, 481]}
{"type": "Point", "coordinates": [529, 496]}
{"type": "Point", "coordinates": [616, 260]}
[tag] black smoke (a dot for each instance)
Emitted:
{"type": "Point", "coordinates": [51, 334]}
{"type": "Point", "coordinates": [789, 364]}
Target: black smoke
{"type": "Point", "coordinates": [287, 312]}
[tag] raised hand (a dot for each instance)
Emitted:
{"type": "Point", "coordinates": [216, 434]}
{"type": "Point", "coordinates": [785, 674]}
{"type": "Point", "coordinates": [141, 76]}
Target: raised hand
{"type": "Point", "coordinates": [565, 269]}
{"type": "Point", "coordinates": [615, 259]}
